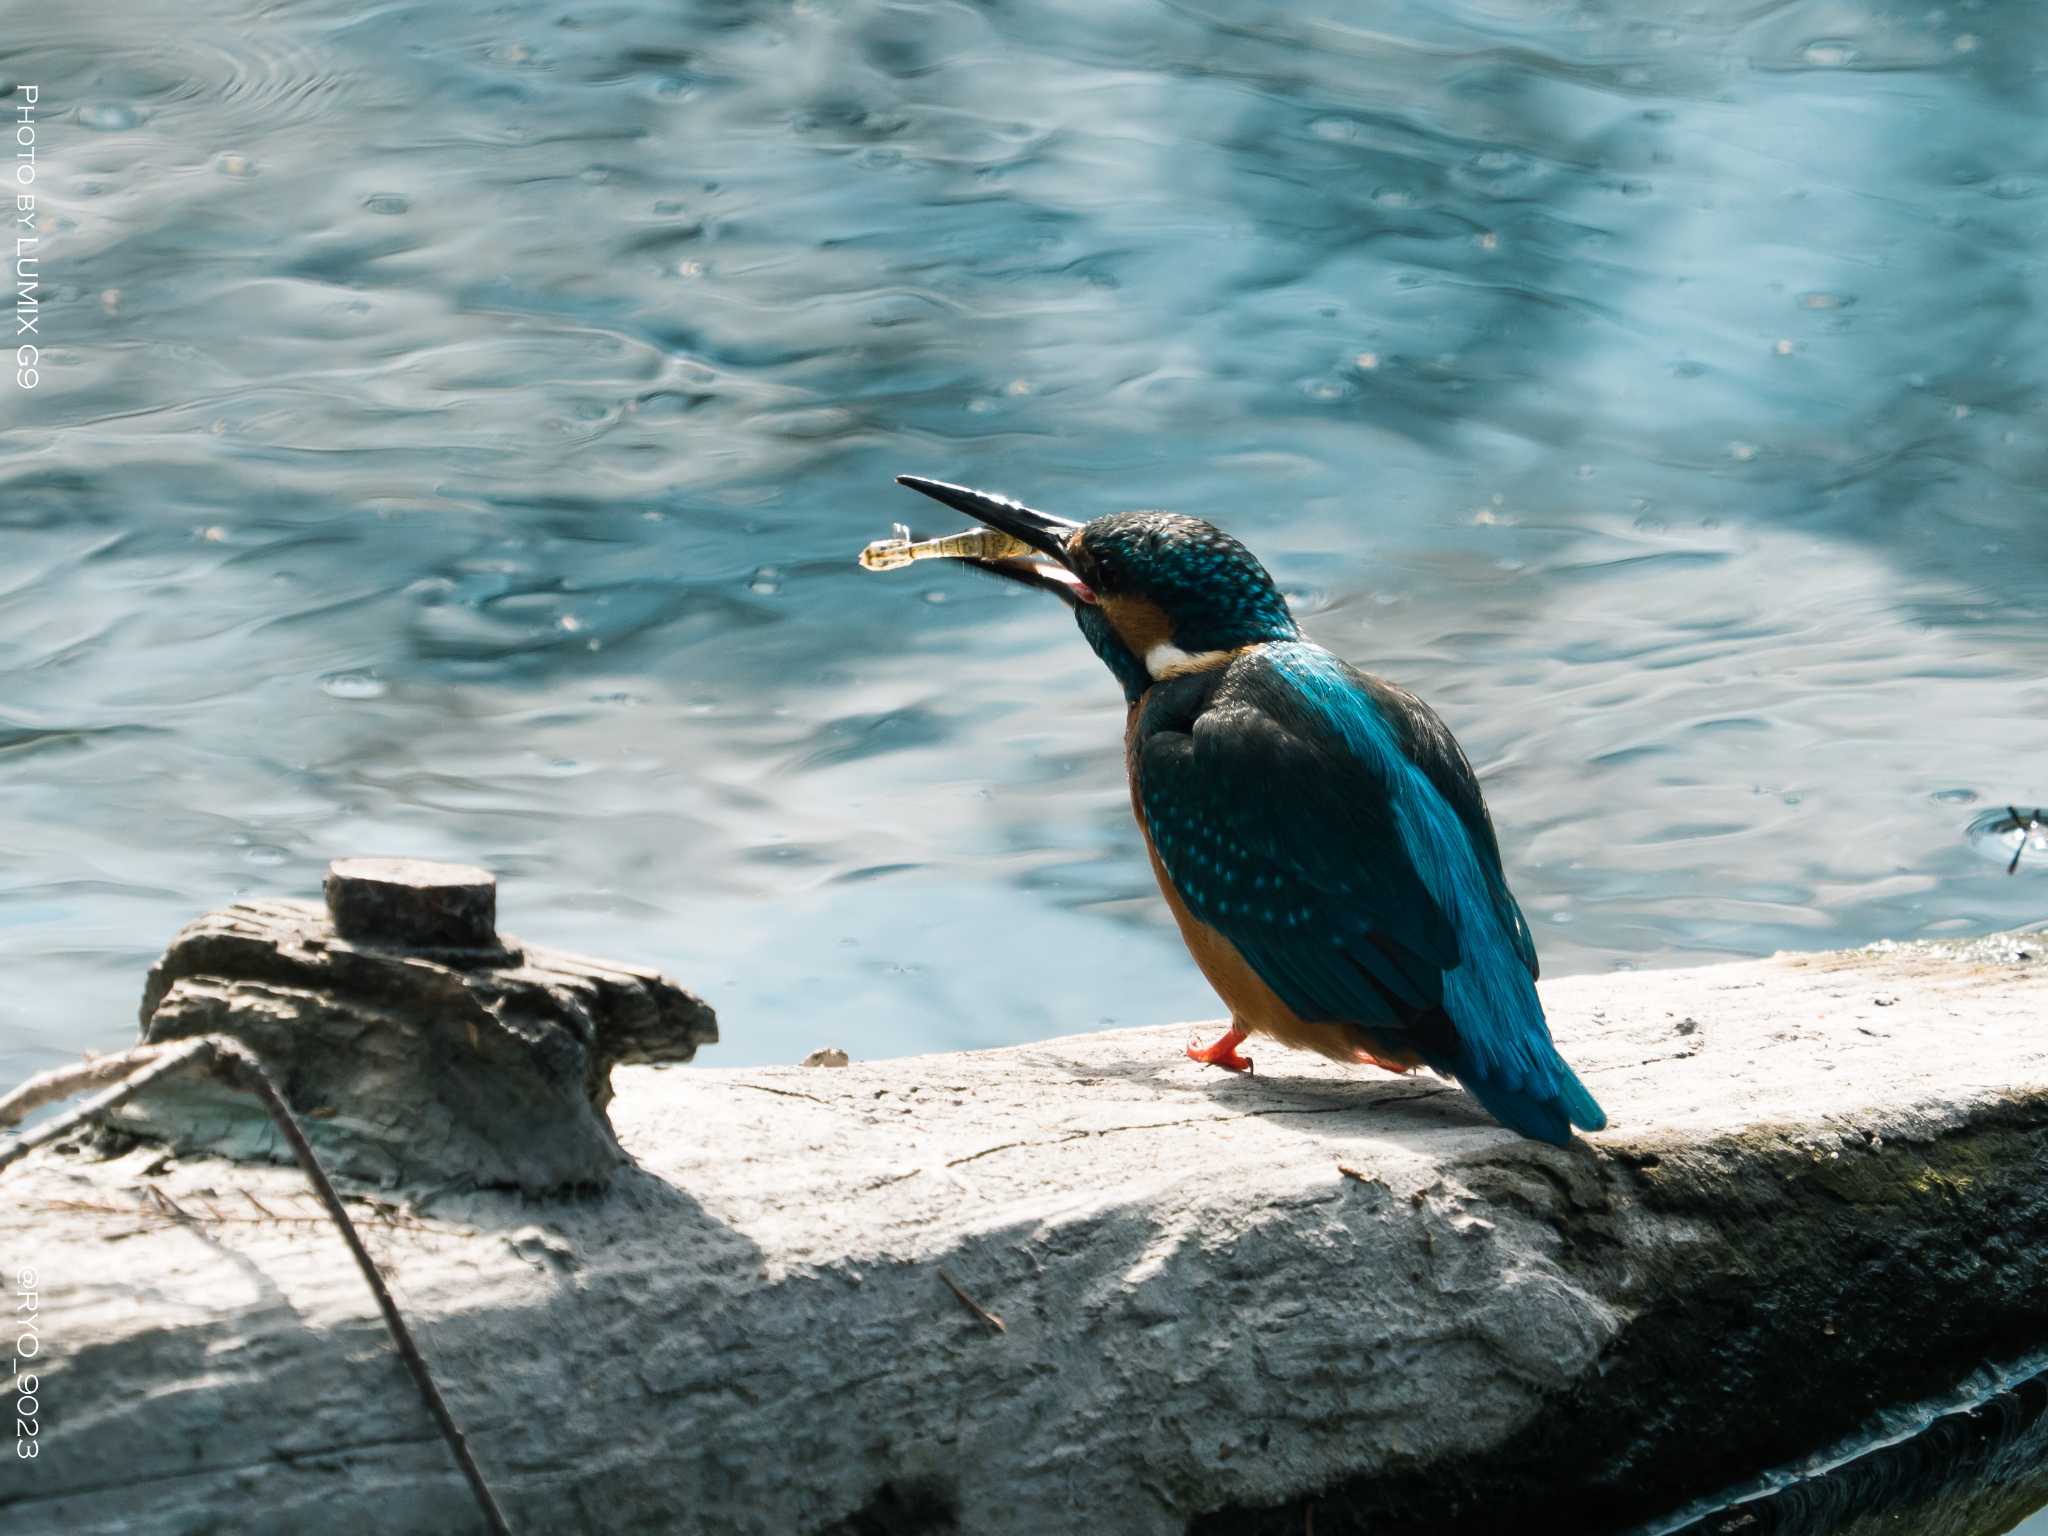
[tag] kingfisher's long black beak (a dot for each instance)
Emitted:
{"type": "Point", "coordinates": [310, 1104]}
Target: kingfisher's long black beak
{"type": "Point", "coordinates": [1041, 530]}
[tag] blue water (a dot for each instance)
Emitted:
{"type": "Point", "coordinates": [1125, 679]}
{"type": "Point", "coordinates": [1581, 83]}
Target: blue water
{"type": "Point", "coordinates": [456, 424]}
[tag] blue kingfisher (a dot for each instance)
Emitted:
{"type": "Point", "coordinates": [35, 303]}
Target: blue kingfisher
{"type": "Point", "coordinates": [1316, 831]}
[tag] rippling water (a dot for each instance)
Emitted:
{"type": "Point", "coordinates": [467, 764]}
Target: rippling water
{"type": "Point", "coordinates": [457, 424]}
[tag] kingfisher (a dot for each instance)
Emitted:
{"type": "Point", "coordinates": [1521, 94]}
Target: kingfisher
{"type": "Point", "coordinates": [1317, 832]}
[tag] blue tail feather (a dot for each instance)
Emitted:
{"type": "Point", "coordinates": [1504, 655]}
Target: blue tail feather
{"type": "Point", "coordinates": [1546, 1115]}
{"type": "Point", "coordinates": [1584, 1110]}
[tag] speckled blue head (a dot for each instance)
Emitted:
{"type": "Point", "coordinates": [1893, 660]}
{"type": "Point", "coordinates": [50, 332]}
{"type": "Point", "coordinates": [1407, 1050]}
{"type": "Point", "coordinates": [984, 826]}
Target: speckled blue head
{"type": "Point", "coordinates": [1154, 569]}
{"type": "Point", "coordinates": [1152, 591]}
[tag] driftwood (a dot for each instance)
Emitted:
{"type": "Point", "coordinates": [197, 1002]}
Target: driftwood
{"type": "Point", "coordinates": [1226, 1301]}
{"type": "Point", "coordinates": [418, 1046]}
{"type": "Point", "coordinates": [231, 1063]}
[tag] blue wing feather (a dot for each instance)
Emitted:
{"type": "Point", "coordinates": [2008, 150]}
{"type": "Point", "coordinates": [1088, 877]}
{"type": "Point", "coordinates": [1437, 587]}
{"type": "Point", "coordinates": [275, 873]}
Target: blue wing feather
{"type": "Point", "coordinates": [1428, 743]}
{"type": "Point", "coordinates": [1329, 827]}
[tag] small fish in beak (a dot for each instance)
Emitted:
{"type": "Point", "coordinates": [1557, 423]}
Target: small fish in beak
{"type": "Point", "coordinates": [892, 554]}
{"type": "Point", "coordinates": [1014, 541]}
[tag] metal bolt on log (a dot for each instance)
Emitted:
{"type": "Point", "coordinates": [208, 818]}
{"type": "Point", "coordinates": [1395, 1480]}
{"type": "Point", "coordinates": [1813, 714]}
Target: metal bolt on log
{"type": "Point", "coordinates": [413, 903]}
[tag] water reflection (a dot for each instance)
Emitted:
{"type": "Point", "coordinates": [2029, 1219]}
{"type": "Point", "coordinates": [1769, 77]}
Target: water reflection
{"type": "Point", "coordinates": [1974, 1470]}
{"type": "Point", "coordinates": [457, 425]}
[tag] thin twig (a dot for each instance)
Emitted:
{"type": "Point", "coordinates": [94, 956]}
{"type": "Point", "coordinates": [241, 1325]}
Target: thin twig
{"type": "Point", "coordinates": [972, 1305]}
{"type": "Point", "coordinates": [2025, 826]}
{"type": "Point", "coordinates": [269, 1218]}
{"type": "Point", "coordinates": [170, 1207]}
{"type": "Point", "coordinates": [243, 1066]}
{"type": "Point", "coordinates": [237, 1065]}
{"type": "Point", "coordinates": [784, 1093]}
{"type": "Point", "coordinates": [48, 1087]}
{"type": "Point", "coordinates": [69, 1081]}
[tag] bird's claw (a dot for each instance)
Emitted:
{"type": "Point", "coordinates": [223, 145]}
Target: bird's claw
{"type": "Point", "coordinates": [1222, 1054]}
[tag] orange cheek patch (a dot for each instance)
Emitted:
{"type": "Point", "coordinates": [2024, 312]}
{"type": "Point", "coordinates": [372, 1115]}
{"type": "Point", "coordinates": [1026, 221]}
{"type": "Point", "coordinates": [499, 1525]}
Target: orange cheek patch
{"type": "Point", "coordinates": [1139, 622]}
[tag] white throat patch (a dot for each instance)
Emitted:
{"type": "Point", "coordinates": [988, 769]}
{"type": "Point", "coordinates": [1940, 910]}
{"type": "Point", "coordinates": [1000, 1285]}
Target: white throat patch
{"type": "Point", "coordinates": [1166, 660]}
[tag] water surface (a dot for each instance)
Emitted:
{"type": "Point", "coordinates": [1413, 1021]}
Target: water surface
{"type": "Point", "coordinates": [457, 423]}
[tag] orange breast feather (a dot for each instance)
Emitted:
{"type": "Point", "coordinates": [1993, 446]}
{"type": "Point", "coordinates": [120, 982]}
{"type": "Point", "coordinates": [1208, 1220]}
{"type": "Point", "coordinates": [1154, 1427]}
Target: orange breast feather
{"type": "Point", "coordinates": [1253, 1005]}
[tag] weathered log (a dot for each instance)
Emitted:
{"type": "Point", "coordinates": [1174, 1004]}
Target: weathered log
{"type": "Point", "coordinates": [421, 1048]}
{"type": "Point", "coordinates": [229, 1062]}
{"type": "Point", "coordinates": [1221, 1299]}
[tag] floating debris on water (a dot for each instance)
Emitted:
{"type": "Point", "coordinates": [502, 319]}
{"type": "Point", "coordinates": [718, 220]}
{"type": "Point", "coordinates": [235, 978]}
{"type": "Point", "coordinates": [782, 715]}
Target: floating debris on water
{"type": "Point", "coordinates": [2011, 833]}
{"type": "Point", "coordinates": [354, 685]}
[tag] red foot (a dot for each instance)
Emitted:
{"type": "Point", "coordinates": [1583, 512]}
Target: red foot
{"type": "Point", "coordinates": [1222, 1054]}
